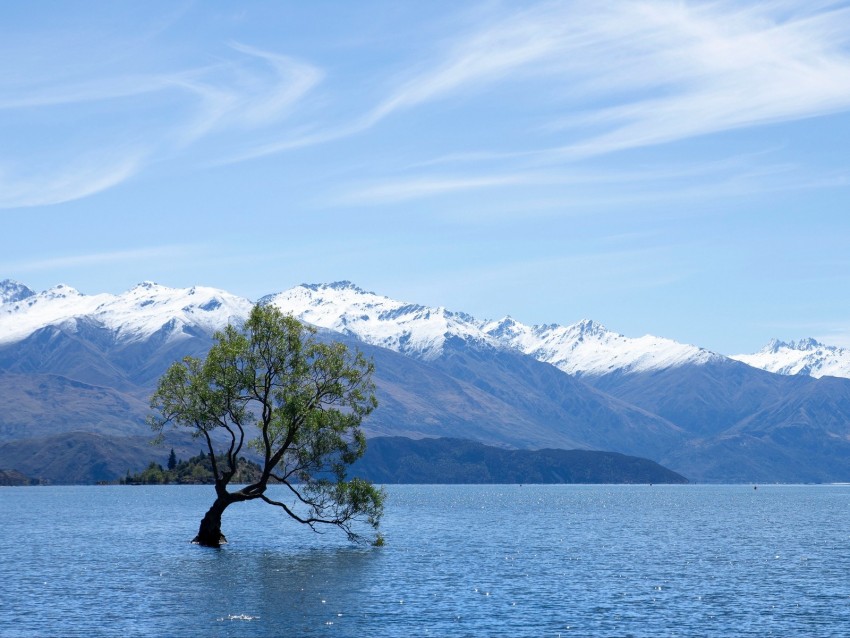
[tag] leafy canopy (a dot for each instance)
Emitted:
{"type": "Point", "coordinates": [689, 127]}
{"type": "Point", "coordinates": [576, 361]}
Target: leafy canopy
{"type": "Point", "coordinates": [297, 401]}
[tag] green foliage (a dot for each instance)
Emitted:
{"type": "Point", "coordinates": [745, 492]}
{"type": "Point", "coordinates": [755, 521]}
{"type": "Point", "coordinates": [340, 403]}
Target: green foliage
{"type": "Point", "coordinates": [295, 400]}
{"type": "Point", "coordinates": [152, 475]}
{"type": "Point", "coordinates": [196, 471]}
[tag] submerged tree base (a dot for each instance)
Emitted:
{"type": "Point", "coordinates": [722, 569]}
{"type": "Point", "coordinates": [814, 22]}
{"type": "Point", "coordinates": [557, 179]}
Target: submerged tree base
{"type": "Point", "coordinates": [209, 542]}
{"type": "Point", "coordinates": [209, 531]}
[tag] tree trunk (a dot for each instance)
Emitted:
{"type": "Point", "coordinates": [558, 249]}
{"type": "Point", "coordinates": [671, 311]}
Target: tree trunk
{"type": "Point", "coordinates": [209, 532]}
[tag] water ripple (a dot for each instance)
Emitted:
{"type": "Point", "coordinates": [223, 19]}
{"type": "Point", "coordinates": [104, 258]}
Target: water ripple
{"type": "Point", "coordinates": [459, 561]}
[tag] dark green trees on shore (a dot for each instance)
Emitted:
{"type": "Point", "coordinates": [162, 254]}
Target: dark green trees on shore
{"type": "Point", "coordinates": [196, 470]}
{"type": "Point", "coordinates": [298, 402]}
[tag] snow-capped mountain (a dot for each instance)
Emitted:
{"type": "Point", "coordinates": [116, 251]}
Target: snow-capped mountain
{"type": "Point", "coordinates": [806, 357]}
{"type": "Point", "coordinates": [407, 328]}
{"type": "Point", "coordinates": [587, 348]}
{"type": "Point", "coordinates": [71, 362]}
{"type": "Point", "coordinates": [12, 291]}
{"type": "Point", "coordinates": [135, 315]}
{"type": "Point", "coordinates": [584, 349]}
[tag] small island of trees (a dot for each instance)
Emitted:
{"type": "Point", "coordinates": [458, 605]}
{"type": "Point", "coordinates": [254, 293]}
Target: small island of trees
{"type": "Point", "coordinates": [197, 470]}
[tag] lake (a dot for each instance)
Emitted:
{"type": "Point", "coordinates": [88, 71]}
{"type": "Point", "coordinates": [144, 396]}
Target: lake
{"type": "Point", "coordinates": [552, 560]}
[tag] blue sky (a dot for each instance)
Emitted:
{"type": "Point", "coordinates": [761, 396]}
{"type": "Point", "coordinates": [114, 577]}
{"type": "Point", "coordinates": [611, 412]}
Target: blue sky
{"type": "Point", "coordinates": [673, 168]}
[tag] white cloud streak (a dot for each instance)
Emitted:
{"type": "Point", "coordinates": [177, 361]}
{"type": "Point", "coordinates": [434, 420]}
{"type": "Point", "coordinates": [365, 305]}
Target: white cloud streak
{"type": "Point", "coordinates": [415, 188]}
{"type": "Point", "coordinates": [272, 100]}
{"type": "Point", "coordinates": [662, 71]}
{"type": "Point", "coordinates": [95, 259]}
{"type": "Point", "coordinates": [76, 181]}
{"type": "Point", "coordinates": [713, 68]}
{"type": "Point", "coordinates": [251, 100]}
{"type": "Point", "coordinates": [254, 91]}
{"type": "Point", "coordinates": [729, 177]}
{"type": "Point", "coordinates": [716, 65]}
{"type": "Point", "coordinates": [598, 77]}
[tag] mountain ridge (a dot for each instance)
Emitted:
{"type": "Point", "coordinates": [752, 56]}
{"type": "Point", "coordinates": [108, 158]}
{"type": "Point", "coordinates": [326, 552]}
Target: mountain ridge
{"type": "Point", "coordinates": [439, 373]}
{"type": "Point", "coordinates": [804, 357]}
{"type": "Point", "coordinates": [584, 349]}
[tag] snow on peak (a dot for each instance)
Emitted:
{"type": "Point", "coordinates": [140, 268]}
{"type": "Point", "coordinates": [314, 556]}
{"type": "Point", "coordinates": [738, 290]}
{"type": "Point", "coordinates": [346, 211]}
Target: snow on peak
{"type": "Point", "coordinates": [774, 345]}
{"type": "Point", "coordinates": [338, 285]}
{"type": "Point", "coordinates": [584, 348]}
{"type": "Point", "coordinates": [62, 291]}
{"type": "Point", "coordinates": [505, 329]}
{"type": "Point", "coordinates": [408, 328]}
{"type": "Point", "coordinates": [140, 312]}
{"type": "Point", "coordinates": [145, 285]}
{"type": "Point", "coordinates": [588, 348]}
{"type": "Point", "coordinates": [589, 328]}
{"type": "Point", "coordinates": [807, 345]}
{"type": "Point", "coordinates": [149, 307]}
{"type": "Point", "coordinates": [12, 291]}
{"type": "Point", "coordinates": [806, 356]}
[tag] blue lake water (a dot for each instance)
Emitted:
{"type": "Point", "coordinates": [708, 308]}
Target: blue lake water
{"type": "Point", "coordinates": [695, 560]}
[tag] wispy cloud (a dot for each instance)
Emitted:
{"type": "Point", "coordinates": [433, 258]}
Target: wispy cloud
{"type": "Point", "coordinates": [87, 91]}
{"type": "Point", "coordinates": [269, 101]}
{"type": "Point", "coordinates": [81, 179]}
{"type": "Point", "coordinates": [251, 91]}
{"type": "Point", "coordinates": [100, 258]}
{"type": "Point", "coordinates": [490, 55]}
{"type": "Point", "coordinates": [416, 188]}
{"type": "Point", "coordinates": [595, 78]}
{"type": "Point", "coordinates": [632, 75]}
{"type": "Point", "coordinates": [707, 66]}
{"type": "Point", "coordinates": [588, 186]}
{"type": "Point", "coordinates": [663, 70]}
{"type": "Point", "coordinates": [710, 68]}
{"type": "Point", "coordinates": [476, 60]}
{"type": "Point", "coordinates": [251, 98]}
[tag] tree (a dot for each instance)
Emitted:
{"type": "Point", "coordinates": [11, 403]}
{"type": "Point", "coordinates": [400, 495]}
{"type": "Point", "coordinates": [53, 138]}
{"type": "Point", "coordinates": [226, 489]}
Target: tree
{"type": "Point", "coordinates": [297, 401]}
{"type": "Point", "coordinates": [172, 460]}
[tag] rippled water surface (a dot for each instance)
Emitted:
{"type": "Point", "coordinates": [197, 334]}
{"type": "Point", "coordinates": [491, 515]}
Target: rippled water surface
{"type": "Point", "coordinates": [459, 561]}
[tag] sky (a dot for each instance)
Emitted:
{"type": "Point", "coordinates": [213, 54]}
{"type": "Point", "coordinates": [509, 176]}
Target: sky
{"type": "Point", "coordinates": [673, 168]}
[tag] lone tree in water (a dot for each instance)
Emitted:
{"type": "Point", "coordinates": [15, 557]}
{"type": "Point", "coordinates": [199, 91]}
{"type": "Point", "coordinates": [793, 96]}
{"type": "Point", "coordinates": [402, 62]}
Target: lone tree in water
{"type": "Point", "coordinates": [298, 402]}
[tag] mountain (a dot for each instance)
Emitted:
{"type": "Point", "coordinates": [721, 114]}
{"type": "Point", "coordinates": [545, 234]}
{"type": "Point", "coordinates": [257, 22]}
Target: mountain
{"type": "Point", "coordinates": [588, 349]}
{"type": "Point", "coordinates": [10, 478]}
{"type": "Point", "coordinates": [582, 349]}
{"type": "Point", "coordinates": [93, 372]}
{"type": "Point", "coordinates": [71, 363]}
{"type": "Point", "coordinates": [466, 384]}
{"type": "Point", "coordinates": [410, 329]}
{"type": "Point", "coordinates": [12, 291]}
{"type": "Point", "coordinates": [744, 423]}
{"type": "Point", "coordinates": [805, 357]}
{"type": "Point", "coordinates": [87, 457]}
{"type": "Point", "coordinates": [403, 460]}
{"type": "Point", "coordinates": [147, 310]}
{"type": "Point", "coordinates": [731, 420]}
{"type": "Point", "coordinates": [33, 405]}
{"type": "Point", "coordinates": [802, 437]}
{"type": "Point", "coordinates": [88, 364]}
{"type": "Point", "coordinates": [119, 341]}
